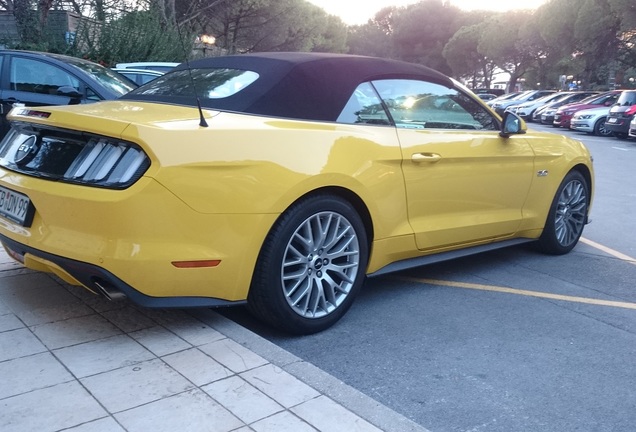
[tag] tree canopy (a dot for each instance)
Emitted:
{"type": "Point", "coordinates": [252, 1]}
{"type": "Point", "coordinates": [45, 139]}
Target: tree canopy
{"type": "Point", "coordinates": [592, 41]}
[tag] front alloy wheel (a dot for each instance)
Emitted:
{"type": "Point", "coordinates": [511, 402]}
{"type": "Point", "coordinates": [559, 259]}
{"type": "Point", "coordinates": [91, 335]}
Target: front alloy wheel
{"type": "Point", "coordinates": [600, 129]}
{"type": "Point", "coordinates": [568, 215]}
{"type": "Point", "coordinates": [311, 266]}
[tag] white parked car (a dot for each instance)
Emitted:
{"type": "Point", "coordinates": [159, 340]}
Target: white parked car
{"type": "Point", "coordinates": [591, 121]}
{"type": "Point", "coordinates": [632, 128]}
{"type": "Point", "coordinates": [158, 66]}
{"type": "Point", "coordinates": [139, 76]}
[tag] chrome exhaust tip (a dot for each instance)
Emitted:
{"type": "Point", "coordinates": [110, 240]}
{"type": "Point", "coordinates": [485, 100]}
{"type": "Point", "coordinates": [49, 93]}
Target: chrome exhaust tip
{"type": "Point", "coordinates": [108, 291]}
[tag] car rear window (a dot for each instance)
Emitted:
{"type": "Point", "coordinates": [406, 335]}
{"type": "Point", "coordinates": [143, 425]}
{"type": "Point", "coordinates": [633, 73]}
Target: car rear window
{"type": "Point", "coordinates": [627, 98]}
{"type": "Point", "coordinates": [208, 83]}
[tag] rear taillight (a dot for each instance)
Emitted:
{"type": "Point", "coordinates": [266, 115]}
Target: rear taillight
{"type": "Point", "coordinates": [73, 157]}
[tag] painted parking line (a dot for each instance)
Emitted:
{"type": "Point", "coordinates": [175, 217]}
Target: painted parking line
{"type": "Point", "coordinates": [507, 290]}
{"type": "Point", "coordinates": [609, 251]}
{"type": "Point", "coordinates": [539, 294]}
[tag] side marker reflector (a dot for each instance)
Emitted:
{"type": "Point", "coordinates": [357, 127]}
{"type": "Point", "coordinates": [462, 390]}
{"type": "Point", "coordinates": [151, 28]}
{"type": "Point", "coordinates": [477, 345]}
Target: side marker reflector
{"type": "Point", "coordinates": [196, 264]}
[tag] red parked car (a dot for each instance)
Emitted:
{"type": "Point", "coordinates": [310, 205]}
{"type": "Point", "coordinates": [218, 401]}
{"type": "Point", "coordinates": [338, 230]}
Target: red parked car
{"type": "Point", "coordinates": [564, 114]}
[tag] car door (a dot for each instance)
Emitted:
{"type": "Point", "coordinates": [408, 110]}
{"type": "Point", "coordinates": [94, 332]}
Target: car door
{"type": "Point", "coordinates": [465, 183]}
{"type": "Point", "coordinates": [33, 82]}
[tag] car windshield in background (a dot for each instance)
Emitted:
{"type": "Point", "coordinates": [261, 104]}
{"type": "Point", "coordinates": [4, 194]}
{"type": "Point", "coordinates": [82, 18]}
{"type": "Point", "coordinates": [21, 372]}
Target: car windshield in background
{"type": "Point", "coordinates": [105, 76]}
{"type": "Point", "coordinates": [208, 83]}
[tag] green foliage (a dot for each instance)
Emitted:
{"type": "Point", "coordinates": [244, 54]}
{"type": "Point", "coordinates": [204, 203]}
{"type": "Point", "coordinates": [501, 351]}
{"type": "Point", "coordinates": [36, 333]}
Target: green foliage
{"type": "Point", "coordinates": [593, 40]}
{"type": "Point", "coordinates": [137, 36]}
{"type": "Point", "coordinates": [242, 26]}
{"type": "Point", "coordinates": [462, 53]}
{"type": "Point", "coordinates": [422, 30]}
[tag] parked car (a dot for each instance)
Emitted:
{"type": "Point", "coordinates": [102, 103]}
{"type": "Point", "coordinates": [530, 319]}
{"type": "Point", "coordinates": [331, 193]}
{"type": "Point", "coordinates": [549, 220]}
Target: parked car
{"type": "Point", "coordinates": [36, 78]}
{"type": "Point", "coordinates": [632, 128]}
{"type": "Point", "coordinates": [526, 96]}
{"type": "Point", "coordinates": [156, 66]}
{"type": "Point", "coordinates": [503, 97]}
{"type": "Point", "coordinates": [621, 114]}
{"type": "Point", "coordinates": [526, 109]}
{"type": "Point", "coordinates": [549, 111]}
{"type": "Point", "coordinates": [139, 76]}
{"type": "Point", "coordinates": [591, 121]}
{"type": "Point", "coordinates": [298, 175]}
{"type": "Point", "coordinates": [486, 96]}
{"type": "Point", "coordinates": [496, 91]}
{"type": "Point", "coordinates": [564, 114]}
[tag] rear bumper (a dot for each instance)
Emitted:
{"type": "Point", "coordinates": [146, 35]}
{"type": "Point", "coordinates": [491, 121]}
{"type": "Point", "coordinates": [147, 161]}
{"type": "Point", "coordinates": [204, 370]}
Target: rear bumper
{"type": "Point", "coordinates": [621, 126]}
{"type": "Point", "coordinates": [101, 281]}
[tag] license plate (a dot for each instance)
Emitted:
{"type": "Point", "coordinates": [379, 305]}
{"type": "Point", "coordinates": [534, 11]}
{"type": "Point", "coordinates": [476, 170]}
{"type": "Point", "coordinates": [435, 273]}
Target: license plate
{"type": "Point", "coordinates": [16, 207]}
{"type": "Point", "coordinates": [612, 120]}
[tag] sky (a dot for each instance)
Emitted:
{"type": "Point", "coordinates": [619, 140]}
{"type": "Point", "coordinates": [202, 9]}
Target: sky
{"type": "Point", "coordinates": [360, 11]}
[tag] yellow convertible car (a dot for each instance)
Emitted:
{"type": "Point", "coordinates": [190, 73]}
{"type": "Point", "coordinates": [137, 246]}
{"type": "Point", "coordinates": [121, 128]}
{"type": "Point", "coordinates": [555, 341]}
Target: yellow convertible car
{"type": "Point", "coordinates": [280, 180]}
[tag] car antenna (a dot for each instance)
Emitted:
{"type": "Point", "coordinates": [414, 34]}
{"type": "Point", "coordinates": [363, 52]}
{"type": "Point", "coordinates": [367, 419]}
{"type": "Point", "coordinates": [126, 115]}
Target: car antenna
{"type": "Point", "coordinates": [202, 121]}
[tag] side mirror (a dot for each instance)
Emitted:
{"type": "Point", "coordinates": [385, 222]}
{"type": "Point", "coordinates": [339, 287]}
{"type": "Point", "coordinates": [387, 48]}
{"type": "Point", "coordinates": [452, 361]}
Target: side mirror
{"type": "Point", "coordinates": [69, 91]}
{"type": "Point", "coordinates": [512, 124]}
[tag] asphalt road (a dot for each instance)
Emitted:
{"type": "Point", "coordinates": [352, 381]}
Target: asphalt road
{"type": "Point", "coordinates": [510, 340]}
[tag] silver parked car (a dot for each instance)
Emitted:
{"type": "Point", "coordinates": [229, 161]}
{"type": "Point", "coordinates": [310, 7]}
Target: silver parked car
{"type": "Point", "coordinates": [527, 96]}
{"type": "Point", "coordinates": [526, 109]}
{"type": "Point", "coordinates": [591, 121]}
{"type": "Point", "coordinates": [632, 128]}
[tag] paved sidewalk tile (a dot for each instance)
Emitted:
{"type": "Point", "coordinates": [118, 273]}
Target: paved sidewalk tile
{"type": "Point", "coordinates": [160, 341]}
{"type": "Point", "coordinates": [25, 374]}
{"type": "Point", "coordinates": [232, 355]}
{"type": "Point", "coordinates": [102, 355]}
{"type": "Point", "coordinates": [74, 362]}
{"type": "Point", "coordinates": [133, 386]}
{"type": "Point", "coordinates": [245, 401]}
{"type": "Point", "coordinates": [190, 411]}
{"type": "Point", "coordinates": [107, 424]}
{"type": "Point", "coordinates": [19, 343]}
{"type": "Point", "coordinates": [199, 368]}
{"type": "Point", "coordinates": [326, 415]}
{"type": "Point", "coordinates": [9, 322]}
{"type": "Point", "coordinates": [75, 331]}
{"type": "Point", "coordinates": [49, 409]}
{"type": "Point", "coordinates": [282, 422]}
{"type": "Point", "coordinates": [284, 388]}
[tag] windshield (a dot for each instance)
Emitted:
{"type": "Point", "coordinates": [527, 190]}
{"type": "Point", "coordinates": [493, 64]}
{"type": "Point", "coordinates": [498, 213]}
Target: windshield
{"type": "Point", "coordinates": [108, 78]}
{"type": "Point", "coordinates": [598, 100]}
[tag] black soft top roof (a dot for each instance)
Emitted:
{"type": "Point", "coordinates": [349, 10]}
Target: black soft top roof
{"type": "Point", "coordinates": [311, 86]}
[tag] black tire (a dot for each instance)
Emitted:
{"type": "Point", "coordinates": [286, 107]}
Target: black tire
{"type": "Point", "coordinates": [567, 216]}
{"type": "Point", "coordinates": [600, 129]}
{"type": "Point", "coordinates": [621, 135]}
{"type": "Point", "coordinates": [311, 266]}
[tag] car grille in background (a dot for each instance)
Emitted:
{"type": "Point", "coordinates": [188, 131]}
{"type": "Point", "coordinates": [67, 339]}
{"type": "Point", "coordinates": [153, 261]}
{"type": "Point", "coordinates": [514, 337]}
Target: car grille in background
{"type": "Point", "coordinates": [72, 157]}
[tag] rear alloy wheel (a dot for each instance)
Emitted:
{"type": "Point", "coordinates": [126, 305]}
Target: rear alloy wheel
{"type": "Point", "coordinates": [600, 129]}
{"type": "Point", "coordinates": [311, 266]}
{"type": "Point", "coordinates": [567, 217]}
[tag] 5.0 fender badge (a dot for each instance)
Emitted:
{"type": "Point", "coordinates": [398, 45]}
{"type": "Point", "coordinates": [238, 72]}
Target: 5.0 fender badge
{"type": "Point", "coordinates": [542, 173]}
{"type": "Point", "coordinates": [27, 151]}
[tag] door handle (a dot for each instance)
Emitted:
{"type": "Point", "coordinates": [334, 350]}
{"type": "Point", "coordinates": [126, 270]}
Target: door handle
{"type": "Point", "coordinates": [425, 157]}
